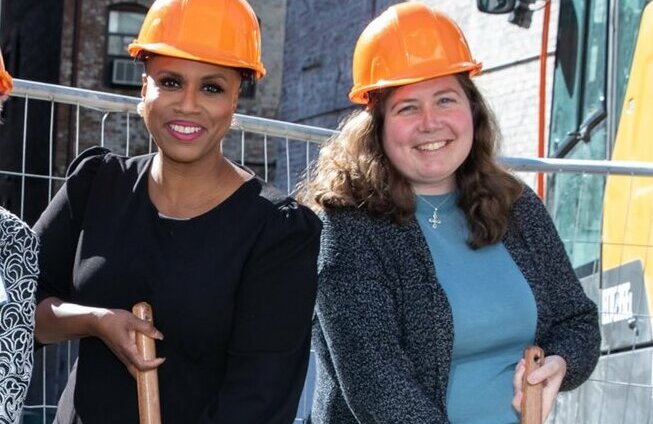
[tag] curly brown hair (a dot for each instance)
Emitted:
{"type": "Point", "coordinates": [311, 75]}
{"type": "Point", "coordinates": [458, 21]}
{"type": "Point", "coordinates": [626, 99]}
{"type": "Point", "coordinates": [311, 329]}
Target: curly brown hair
{"type": "Point", "coordinates": [352, 170]}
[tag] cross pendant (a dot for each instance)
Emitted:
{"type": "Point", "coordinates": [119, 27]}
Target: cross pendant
{"type": "Point", "coordinates": [435, 219]}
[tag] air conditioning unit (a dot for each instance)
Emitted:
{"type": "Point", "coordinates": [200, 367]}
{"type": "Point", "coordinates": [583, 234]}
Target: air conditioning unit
{"type": "Point", "coordinates": [127, 72]}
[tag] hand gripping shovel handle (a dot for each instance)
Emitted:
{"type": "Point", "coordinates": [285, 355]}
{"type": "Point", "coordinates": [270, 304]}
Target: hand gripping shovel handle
{"type": "Point", "coordinates": [531, 404]}
{"type": "Point", "coordinates": [149, 409]}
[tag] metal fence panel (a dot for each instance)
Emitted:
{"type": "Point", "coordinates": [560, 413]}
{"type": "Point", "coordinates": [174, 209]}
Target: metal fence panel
{"type": "Point", "coordinates": [621, 388]}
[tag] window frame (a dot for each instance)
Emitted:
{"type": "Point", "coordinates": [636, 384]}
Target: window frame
{"type": "Point", "coordinates": [110, 57]}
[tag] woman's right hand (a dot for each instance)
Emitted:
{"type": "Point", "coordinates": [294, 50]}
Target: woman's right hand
{"type": "Point", "coordinates": [117, 329]}
{"type": "Point", "coordinates": [550, 374]}
{"type": "Point", "coordinates": [57, 321]}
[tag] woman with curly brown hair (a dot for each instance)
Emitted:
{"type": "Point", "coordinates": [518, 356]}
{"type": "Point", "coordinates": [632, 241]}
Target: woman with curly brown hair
{"type": "Point", "coordinates": [437, 267]}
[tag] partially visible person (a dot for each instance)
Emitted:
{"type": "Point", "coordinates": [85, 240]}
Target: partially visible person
{"type": "Point", "coordinates": [228, 263]}
{"type": "Point", "coordinates": [18, 275]}
{"type": "Point", "coordinates": [6, 82]}
{"type": "Point", "coordinates": [437, 267]}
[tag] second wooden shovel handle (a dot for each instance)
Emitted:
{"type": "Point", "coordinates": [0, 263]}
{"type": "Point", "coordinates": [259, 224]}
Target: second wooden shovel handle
{"type": "Point", "coordinates": [531, 404]}
{"type": "Point", "coordinates": [149, 408]}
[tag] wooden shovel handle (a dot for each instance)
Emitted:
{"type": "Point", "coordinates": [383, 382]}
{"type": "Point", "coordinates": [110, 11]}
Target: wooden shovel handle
{"type": "Point", "coordinates": [149, 409]}
{"type": "Point", "coordinates": [531, 403]}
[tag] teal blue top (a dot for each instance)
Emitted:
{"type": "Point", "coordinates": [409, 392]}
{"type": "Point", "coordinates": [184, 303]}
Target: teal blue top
{"type": "Point", "coordinates": [494, 315]}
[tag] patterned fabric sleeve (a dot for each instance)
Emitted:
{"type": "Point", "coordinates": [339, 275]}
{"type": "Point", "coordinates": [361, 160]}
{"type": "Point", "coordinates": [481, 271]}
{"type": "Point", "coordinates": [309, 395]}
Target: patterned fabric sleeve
{"type": "Point", "coordinates": [18, 271]}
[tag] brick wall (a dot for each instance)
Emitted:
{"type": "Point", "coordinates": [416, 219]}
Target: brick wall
{"type": "Point", "coordinates": [84, 65]}
{"type": "Point", "coordinates": [319, 43]}
{"type": "Point", "coordinates": [272, 17]}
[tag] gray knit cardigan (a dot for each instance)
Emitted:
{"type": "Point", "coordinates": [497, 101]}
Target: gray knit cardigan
{"type": "Point", "coordinates": [383, 329]}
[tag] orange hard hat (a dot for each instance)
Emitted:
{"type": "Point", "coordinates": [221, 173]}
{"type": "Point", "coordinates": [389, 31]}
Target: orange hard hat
{"type": "Point", "coordinates": [6, 82]}
{"type": "Point", "coordinates": [221, 32]}
{"type": "Point", "coordinates": [408, 43]}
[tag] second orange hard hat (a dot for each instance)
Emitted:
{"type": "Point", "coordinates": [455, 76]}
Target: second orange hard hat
{"type": "Point", "coordinates": [221, 32]}
{"type": "Point", "coordinates": [408, 43]}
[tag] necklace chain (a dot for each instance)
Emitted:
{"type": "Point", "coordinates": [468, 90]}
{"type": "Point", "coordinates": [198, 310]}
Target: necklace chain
{"type": "Point", "coordinates": [435, 220]}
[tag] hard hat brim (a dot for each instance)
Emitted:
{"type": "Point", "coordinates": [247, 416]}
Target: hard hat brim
{"type": "Point", "coordinates": [359, 95]}
{"type": "Point", "coordinates": [164, 49]}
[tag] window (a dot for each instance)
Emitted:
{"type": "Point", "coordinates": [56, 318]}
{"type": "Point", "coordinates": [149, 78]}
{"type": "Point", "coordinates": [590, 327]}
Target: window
{"type": "Point", "coordinates": [586, 106]}
{"type": "Point", "coordinates": [579, 126]}
{"type": "Point", "coordinates": [123, 26]}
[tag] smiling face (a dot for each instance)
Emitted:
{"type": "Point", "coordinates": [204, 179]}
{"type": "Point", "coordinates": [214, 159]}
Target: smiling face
{"type": "Point", "coordinates": [428, 132]}
{"type": "Point", "coordinates": [188, 107]}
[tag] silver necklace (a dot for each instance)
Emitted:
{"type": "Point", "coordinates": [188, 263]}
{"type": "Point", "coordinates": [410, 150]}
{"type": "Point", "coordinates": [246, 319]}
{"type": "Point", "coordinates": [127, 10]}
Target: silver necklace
{"type": "Point", "coordinates": [435, 220]}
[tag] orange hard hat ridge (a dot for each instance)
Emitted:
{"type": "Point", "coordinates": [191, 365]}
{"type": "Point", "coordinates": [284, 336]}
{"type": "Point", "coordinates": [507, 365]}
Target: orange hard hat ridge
{"type": "Point", "coordinates": [6, 82]}
{"type": "Point", "coordinates": [408, 43]}
{"type": "Point", "coordinates": [221, 32]}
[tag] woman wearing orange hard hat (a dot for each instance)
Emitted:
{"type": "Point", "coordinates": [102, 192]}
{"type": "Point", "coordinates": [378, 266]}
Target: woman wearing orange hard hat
{"type": "Point", "coordinates": [227, 263]}
{"type": "Point", "coordinates": [437, 267]}
{"type": "Point", "coordinates": [18, 274]}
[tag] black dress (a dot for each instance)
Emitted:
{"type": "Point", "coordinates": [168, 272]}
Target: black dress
{"type": "Point", "coordinates": [232, 291]}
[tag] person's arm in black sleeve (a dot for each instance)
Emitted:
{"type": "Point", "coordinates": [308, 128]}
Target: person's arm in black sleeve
{"type": "Point", "coordinates": [357, 313]}
{"type": "Point", "coordinates": [58, 318]}
{"type": "Point", "coordinates": [59, 226]}
{"type": "Point", "coordinates": [270, 341]}
{"type": "Point", "coordinates": [58, 229]}
{"type": "Point", "coordinates": [574, 335]}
